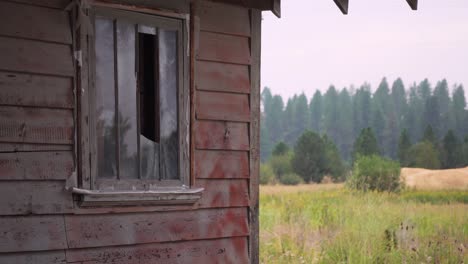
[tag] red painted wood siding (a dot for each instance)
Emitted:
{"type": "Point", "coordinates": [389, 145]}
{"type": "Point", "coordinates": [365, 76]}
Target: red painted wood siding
{"type": "Point", "coordinates": [39, 219]}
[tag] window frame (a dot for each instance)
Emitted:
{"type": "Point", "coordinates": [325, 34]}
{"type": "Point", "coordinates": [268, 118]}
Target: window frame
{"type": "Point", "coordinates": [97, 191]}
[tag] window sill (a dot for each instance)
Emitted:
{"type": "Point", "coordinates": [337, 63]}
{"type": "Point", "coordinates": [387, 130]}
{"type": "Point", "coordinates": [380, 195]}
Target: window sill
{"type": "Point", "coordinates": [172, 196]}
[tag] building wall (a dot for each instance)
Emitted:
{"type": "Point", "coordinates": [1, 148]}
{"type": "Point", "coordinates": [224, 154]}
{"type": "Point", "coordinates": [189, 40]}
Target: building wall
{"type": "Point", "coordinates": [39, 220]}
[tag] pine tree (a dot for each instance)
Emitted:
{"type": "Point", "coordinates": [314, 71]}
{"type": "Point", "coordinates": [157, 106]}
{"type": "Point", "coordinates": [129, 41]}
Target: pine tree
{"type": "Point", "coordinates": [365, 144]}
{"type": "Point", "coordinates": [316, 112]}
{"type": "Point", "coordinates": [404, 145]}
{"type": "Point", "coordinates": [308, 160]}
{"type": "Point", "coordinates": [453, 152]}
{"type": "Point", "coordinates": [345, 124]}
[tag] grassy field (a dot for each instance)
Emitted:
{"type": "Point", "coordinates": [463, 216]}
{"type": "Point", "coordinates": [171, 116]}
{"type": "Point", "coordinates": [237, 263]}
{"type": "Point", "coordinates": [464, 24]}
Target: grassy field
{"type": "Point", "coordinates": [330, 224]}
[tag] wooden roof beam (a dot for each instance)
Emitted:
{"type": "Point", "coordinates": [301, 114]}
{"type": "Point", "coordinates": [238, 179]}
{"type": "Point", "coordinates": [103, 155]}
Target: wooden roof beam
{"type": "Point", "coordinates": [343, 5]}
{"type": "Point", "coordinates": [413, 4]}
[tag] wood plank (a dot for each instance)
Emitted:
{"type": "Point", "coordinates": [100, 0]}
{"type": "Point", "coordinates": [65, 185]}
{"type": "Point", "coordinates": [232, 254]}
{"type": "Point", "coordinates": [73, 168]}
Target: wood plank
{"type": "Point", "coordinates": [35, 57]}
{"type": "Point", "coordinates": [223, 193]}
{"type": "Point", "coordinates": [36, 165]}
{"type": "Point", "coordinates": [36, 125]}
{"type": "Point", "coordinates": [32, 233]}
{"type": "Point", "coordinates": [128, 229]}
{"type": "Point", "coordinates": [60, 4]}
{"type": "Point", "coordinates": [226, 250]}
{"type": "Point", "coordinates": [342, 5]}
{"type": "Point", "coordinates": [221, 164]}
{"type": "Point", "coordinates": [413, 4]}
{"type": "Point", "coordinates": [48, 257]}
{"type": "Point", "coordinates": [221, 135]}
{"type": "Point", "coordinates": [34, 22]}
{"type": "Point", "coordinates": [35, 90]}
{"type": "Point", "coordinates": [14, 147]}
{"type": "Point", "coordinates": [223, 106]}
{"type": "Point", "coordinates": [222, 18]}
{"type": "Point", "coordinates": [34, 197]}
{"type": "Point", "coordinates": [224, 48]}
{"type": "Point", "coordinates": [256, 17]}
{"type": "Point", "coordinates": [215, 76]}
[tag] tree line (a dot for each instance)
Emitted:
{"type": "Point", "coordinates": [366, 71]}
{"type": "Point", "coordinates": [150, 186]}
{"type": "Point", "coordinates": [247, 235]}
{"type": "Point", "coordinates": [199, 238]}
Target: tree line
{"type": "Point", "coordinates": [422, 119]}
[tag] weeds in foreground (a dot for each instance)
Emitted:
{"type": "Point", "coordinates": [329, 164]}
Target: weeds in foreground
{"type": "Point", "coordinates": [336, 225]}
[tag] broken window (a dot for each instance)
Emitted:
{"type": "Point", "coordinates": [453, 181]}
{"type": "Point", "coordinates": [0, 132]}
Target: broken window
{"type": "Point", "coordinates": [139, 80]}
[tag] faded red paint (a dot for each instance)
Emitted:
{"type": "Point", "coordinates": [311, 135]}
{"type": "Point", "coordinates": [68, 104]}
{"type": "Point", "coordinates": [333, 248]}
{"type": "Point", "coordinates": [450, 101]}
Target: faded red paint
{"type": "Point", "coordinates": [221, 135]}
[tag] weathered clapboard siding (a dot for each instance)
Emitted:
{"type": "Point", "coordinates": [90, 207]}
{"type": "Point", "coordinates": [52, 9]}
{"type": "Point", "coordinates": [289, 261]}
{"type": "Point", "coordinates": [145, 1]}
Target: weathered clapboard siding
{"type": "Point", "coordinates": [215, 76]}
{"type": "Point", "coordinates": [223, 106]}
{"type": "Point", "coordinates": [221, 164]}
{"type": "Point", "coordinates": [226, 250]}
{"type": "Point", "coordinates": [60, 4]}
{"type": "Point", "coordinates": [34, 22]}
{"type": "Point", "coordinates": [32, 233]}
{"type": "Point", "coordinates": [128, 229]}
{"type": "Point", "coordinates": [20, 147]}
{"type": "Point", "coordinates": [33, 56]}
{"type": "Point", "coordinates": [36, 118]}
{"type": "Point", "coordinates": [224, 48]}
{"type": "Point", "coordinates": [48, 257]}
{"type": "Point", "coordinates": [227, 19]}
{"type": "Point", "coordinates": [34, 197]}
{"type": "Point", "coordinates": [36, 165]}
{"type": "Point", "coordinates": [223, 193]}
{"type": "Point", "coordinates": [221, 135]}
{"type": "Point", "coordinates": [35, 90]}
{"type": "Point", "coordinates": [36, 125]}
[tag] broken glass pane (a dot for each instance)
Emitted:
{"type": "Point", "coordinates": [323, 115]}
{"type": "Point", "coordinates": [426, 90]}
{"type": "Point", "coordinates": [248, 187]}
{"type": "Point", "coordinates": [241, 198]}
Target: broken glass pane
{"type": "Point", "coordinates": [127, 102]}
{"type": "Point", "coordinates": [168, 82]}
{"type": "Point", "coordinates": [105, 98]}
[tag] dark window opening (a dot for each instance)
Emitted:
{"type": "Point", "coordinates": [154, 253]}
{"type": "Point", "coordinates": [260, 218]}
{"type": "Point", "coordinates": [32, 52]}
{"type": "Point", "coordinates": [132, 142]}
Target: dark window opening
{"type": "Point", "coordinates": [149, 92]}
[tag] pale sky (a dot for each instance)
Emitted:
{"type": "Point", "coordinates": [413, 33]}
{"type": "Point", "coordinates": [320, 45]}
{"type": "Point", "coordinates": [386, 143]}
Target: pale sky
{"type": "Point", "coordinates": [313, 45]}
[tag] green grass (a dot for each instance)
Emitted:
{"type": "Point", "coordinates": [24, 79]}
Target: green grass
{"type": "Point", "coordinates": [341, 226]}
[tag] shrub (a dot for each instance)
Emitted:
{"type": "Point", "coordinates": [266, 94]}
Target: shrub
{"type": "Point", "coordinates": [281, 164]}
{"type": "Point", "coordinates": [424, 155]}
{"type": "Point", "coordinates": [290, 179]}
{"type": "Point", "coordinates": [266, 174]}
{"type": "Point", "coordinates": [375, 173]}
{"type": "Point", "coordinates": [309, 160]}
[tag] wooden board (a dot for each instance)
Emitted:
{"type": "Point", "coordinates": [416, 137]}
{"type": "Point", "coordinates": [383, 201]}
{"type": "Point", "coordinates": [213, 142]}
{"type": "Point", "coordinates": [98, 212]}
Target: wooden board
{"type": "Point", "coordinates": [19, 147]}
{"type": "Point", "coordinates": [32, 233]}
{"type": "Point", "coordinates": [35, 57]}
{"type": "Point", "coordinates": [129, 229]}
{"type": "Point", "coordinates": [256, 17]}
{"type": "Point", "coordinates": [221, 164]}
{"type": "Point", "coordinates": [35, 90]}
{"type": "Point", "coordinates": [34, 197]}
{"type": "Point", "coordinates": [215, 76]}
{"type": "Point", "coordinates": [223, 193]}
{"type": "Point", "coordinates": [226, 250]}
{"type": "Point", "coordinates": [224, 48]}
{"type": "Point", "coordinates": [342, 5]}
{"type": "Point", "coordinates": [34, 125]}
{"type": "Point", "coordinates": [221, 135]}
{"type": "Point", "coordinates": [60, 4]}
{"type": "Point", "coordinates": [36, 165]}
{"type": "Point", "coordinates": [222, 18]}
{"type": "Point", "coordinates": [48, 257]}
{"type": "Point", "coordinates": [34, 22]}
{"type": "Point", "coordinates": [413, 4]}
{"type": "Point", "coordinates": [222, 106]}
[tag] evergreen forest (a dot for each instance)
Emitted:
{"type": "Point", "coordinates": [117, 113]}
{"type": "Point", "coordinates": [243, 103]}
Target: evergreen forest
{"type": "Point", "coordinates": [423, 125]}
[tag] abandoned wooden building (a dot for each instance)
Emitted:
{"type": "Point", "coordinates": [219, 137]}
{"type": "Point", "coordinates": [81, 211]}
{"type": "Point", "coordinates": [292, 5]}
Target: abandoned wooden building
{"type": "Point", "coordinates": [129, 130]}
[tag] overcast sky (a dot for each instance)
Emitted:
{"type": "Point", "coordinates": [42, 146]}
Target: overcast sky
{"type": "Point", "coordinates": [313, 45]}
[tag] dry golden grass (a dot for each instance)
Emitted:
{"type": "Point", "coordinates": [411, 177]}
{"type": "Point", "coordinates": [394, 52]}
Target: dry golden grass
{"type": "Point", "coordinates": [276, 189]}
{"type": "Point", "coordinates": [435, 179]}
